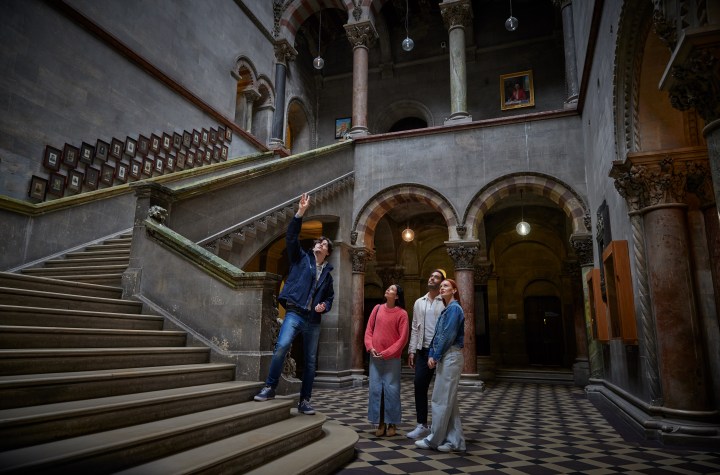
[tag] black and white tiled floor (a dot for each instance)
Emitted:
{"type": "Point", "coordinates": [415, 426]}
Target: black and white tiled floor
{"type": "Point", "coordinates": [511, 428]}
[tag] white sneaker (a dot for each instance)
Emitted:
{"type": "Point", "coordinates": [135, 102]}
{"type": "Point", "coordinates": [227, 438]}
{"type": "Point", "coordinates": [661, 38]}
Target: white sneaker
{"type": "Point", "coordinates": [446, 447]}
{"type": "Point", "coordinates": [419, 432]}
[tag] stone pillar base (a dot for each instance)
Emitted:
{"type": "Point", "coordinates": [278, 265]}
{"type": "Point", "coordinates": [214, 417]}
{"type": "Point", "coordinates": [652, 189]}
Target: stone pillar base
{"type": "Point", "coordinates": [486, 368]}
{"type": "Point", "coordinates": [458, 118]}
{"type": "Point", "coordinates": [581, 372]}
{"type": "Point", "coordinates": [334, 379]}
{"type": "Point", "coordinates": [357, 131]}
{"type": "Point", "coordinates": [278, 146]}
{"type": "Point", "coordinates": [471, 382]}
{"type": "Point", "coordinates": [359, 378]}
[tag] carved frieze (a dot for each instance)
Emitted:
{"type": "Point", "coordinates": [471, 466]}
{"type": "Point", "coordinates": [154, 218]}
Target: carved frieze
{"type": "Point", "coordinates": [456, 14]}
{"type": "Point", "coordinates": [361, 34]}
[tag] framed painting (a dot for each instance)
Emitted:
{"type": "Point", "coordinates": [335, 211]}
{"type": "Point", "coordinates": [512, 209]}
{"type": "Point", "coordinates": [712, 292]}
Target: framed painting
{"type": "Point", "coordinates": [187, 139]}
{"type": "Point", "coordinates": [154, 143]}
{"type": "Point", "coordinates": [57, 184]}
{"type": "Point", "coordinates": [130, 147]}
{"type": "Point", "coordinates": [136, 169]}
{"type": "Point", "coordinates": [166, 141]}
{"type": "Point", "coordinates": [170, 163]}
{"type": "Point", "coordinates": [221, 134]}
{"type": "Point", "coordinates": [75, 181]}
{"type": "Point", "coordinates": [208, 155]}
{"type": "Point", "coordinates": [517, 90]}
{"type": "Point", "coordinates": [216, 154]}
{"type": "Point", "coordinates": [190, 160]}
{"type": "Point", "coordinates": [101, 150]}
{"type": "Point", "coordinates": [342, 126]}
{"type": "Point", "coordinates": [107, 174]}
{"type": "Point", "coordinates": [71, 155]}
{"type": "Point", "coordinates": [147, 167]}
{"type": "Point", "coordinates": [116, 148]}
{"type": "Point", "coordinates": [196, 138]}
{"type": "Point", "coordinates": [38, 188]}
{"type": "Point", "coordinates": [159, 164]}
{"type": "Point", "coordinates": [205, 137]}
{"type": "Point", "coordinates": [121, 172]}
{"type": "Point", "coordinates": [177, 140]}
{"type": "Point", "coordinates": [143, 145]}
{"type": "Point", "coordinates": [224, 153]}
{"type": "Point", "coordinates": [92, 177]}
{"type": "Point", "coordinates": [181, 159]}
{"type": "Point", "coordinates": [213, 135]}
{"type": "Point", "coordinates": [52, 158]}
{"type": "Point", "coordinates": [87, 153]}
{"type": "Point", "coordinates": [228, 134]}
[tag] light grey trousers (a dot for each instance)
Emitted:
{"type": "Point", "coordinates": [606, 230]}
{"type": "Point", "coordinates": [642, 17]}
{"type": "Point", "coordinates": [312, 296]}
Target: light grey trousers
{"type": "Point", "coordinates": [446, 423]}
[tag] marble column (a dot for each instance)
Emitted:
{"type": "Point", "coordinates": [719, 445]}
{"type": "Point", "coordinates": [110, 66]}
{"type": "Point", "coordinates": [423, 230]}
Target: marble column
{"type": "Point", "coordinates": [656, 184]}
{"type": "Point", "coordinates": [284, 52]}
{"type": "Point", "coordinates": [463, 255]}
{"type": "Point", "coordinates": [457, 15]}
{"type": "Point", "coordinates": [360, 257]}
{"type": "Point", "coordinates": [571, 74]}
{"type": "Point", "coordinates": [361, 35]}
{"type": "Point", "coordinates": [587, 348]}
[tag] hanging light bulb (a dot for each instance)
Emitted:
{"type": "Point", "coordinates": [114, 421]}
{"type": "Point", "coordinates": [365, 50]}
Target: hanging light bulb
{"type": "Point", "coordinates": [511, 23]}
{"type": "Point", "coordinates": [318, 62]}
{"type": "Point", "coordinates": [522, 227]}
{"type": "Point", "coordinates": [408, 234]}
{"type": "Point", "coordinates": [407, 44]}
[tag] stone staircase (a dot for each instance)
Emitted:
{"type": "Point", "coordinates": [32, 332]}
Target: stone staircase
{"type": "Point", "coordinates": [88, 383]}
{"type": "Point", "coordinates": [538, 375]}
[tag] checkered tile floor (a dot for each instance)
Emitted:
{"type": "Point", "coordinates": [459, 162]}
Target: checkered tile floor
{"type": "Point", "coordinates": [510, 428]}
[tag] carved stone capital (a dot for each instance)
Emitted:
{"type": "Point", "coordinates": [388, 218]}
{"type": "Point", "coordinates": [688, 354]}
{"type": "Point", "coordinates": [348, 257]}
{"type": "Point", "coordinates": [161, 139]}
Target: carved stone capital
{"type": "Point", "coordinates": [361, 34]}
{"type": "Point", "coordinates": [284, 51]}
{"type": "Point", "coordinates": [696, 83]}
{"type": "Point", "coordinates": [360, 257]}
{"type": "Point", "coordinates": [582, 244]}
{"type": "Point", "coordinates": [483, 272]}
{"type": "Point", "coordinates": [391, 275]}
{"type": "Point", "coordinates": [456, 13]}
{"type": "Point", "coordinates": [463, 254]}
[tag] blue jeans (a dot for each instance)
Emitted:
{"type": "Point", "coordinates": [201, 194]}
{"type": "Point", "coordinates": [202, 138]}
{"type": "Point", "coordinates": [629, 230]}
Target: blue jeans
{"type": "Point", "coordinates": [385, 387]}
{"type": "Point", "coordinates": [292, 326]}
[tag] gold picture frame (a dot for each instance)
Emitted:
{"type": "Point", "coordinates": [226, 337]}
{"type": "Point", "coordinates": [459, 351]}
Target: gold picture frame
{"type": "Point", "coordinates": [517, 90]}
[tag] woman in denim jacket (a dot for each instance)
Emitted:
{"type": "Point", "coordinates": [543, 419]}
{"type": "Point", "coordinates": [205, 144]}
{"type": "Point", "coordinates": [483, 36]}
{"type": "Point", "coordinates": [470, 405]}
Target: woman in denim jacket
{"type": "Point", "coordinates": [445, 354]}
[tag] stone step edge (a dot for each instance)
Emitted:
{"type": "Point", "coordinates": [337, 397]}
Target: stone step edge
{"type": "Point", "coordinates": [63, 296]}
{"type": "Point", "coordinates": [76, 313]}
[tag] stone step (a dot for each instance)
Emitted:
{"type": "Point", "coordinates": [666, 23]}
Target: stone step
{"type": "Point", "coordinates": [71, 270]}
{"type": "Point", "coordinates": [118, 240]}
{"type": "Point", "coordinates": [48, 388]}
{"type": "Point", "coordinates": [57, 317]}
{"type": "Point", "coordinates": [60, 360]}
{"type": "Point", "coordinates": [536, 376]}
{"type": "Point", "coordinates": [26, 426]}
{"type": "Point", "coordinates": [117, 449]}
{"type": "Point", "coordinates": [46, 284]}
{"type": "Point", "coordinates": [97, 254]}
{"type": "Point", "coordinates": [12, 336]}
{"type": "Point", "coordinates": [109, 247]}
{"type": "Point", "coordinates": [88, 262]}
{"type": "Point", "coordinates": [101, 279]}
{"type": "Point", "coordinates": [33, 298]}
{"type": "Point", "coordinates": [241, 452]}
{"type": "Point", "coordinates": [333, 450]}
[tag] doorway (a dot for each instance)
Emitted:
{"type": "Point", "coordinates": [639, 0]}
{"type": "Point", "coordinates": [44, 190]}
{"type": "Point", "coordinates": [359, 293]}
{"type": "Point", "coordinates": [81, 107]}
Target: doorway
{"type": "Point", "coordinates": [544, 331]}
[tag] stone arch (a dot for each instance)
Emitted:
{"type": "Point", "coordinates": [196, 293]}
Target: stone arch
{"type": "Point", "coordinates": [543, 185]}
{"type": "Point", "coordinates": [246, 93]}
{"type": "Point", "coordinates": [263, 110]}
{"type": "Point", "coordinates": [299, 124]}
{"type": "Point", "coordinates": [400, 110]}
{"type": "Point", "coordinates": [369, 215]}
{"type": "Point", "coordinates": [289, 21]}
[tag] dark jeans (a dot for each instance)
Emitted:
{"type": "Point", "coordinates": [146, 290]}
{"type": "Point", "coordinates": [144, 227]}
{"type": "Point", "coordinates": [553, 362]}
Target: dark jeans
{"type": "Point", "coordinates": [423, 376]}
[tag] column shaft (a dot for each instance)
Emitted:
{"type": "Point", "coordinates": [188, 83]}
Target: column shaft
{"type": "Point", "coordinates": [360, 90]}
{"type": "Point", "coordinates": [279, 113]}
{"type": "Point", "coordinates": [466, 285]}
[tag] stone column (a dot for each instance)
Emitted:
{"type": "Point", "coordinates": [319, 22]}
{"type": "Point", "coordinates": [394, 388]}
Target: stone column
{"type": "Point", "coordinates": [284, 52]}
{"type": "Point", "coordinates": [657, 186]}
{"type": "Point", "coordinates": [485, 363]}
{"type": "Point", "coordinates": [457, 15]}
{"type": "Point", "coordinates": [361, 36]}
{"type": "Point", "coordinates": [571, 75]}
{"type": "Point", "coordinates": [587, 348]}
{"type": "Point", "coordinates": [463, 255]}
{"type": "Point", "coordinates": [360, 257]}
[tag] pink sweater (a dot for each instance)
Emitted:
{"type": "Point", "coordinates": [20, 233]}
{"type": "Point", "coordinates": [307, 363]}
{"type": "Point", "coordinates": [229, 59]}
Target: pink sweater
{"type": "Point", "coordinates": [387, 331]}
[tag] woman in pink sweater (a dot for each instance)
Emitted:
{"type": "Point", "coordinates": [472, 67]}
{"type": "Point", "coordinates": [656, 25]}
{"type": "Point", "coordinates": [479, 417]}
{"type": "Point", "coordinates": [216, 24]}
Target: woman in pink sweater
{"type": "Point", "coordinates": [385, 337]}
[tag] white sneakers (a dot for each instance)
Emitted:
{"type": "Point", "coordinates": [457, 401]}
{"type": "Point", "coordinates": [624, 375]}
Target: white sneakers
{"type": "Point", "coordinates": [419, 432]}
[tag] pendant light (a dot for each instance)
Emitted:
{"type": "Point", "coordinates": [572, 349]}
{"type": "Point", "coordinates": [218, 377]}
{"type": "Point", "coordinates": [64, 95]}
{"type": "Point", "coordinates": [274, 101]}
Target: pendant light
{"type": "Point", "coordinates": [511, 23]}
{"type": "Point", "coordinates": [408, 234]}
{"type": "Point", "coordinates": [522, 227]}
{"type": "Point", "coordinates": [318, 62]}
{"type": "Point", "coordinates": [408, 44]}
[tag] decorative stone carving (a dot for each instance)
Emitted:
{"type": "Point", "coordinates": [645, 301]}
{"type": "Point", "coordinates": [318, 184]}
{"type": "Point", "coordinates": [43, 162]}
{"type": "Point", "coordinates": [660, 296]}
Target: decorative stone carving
{"type": "Point", "coordinates": [391, 275]}
{"type": "Point", "coordinates": [279, 7]}
{"type": "Point", "coordinates": [353, 237]}
{"type": "Point", "coordinates": [284, 52]}
{"type": "Point", "coordinates": [582, 244]}
{"type": "Point", "coordinates": [483, 272]}
{"type": "Point", "coordinates": [360, 257]}
{"type": "Point", "coordinates": [158, 214]}
{"type": "Point", "coordinates": [571, 268]}
{"type": "Point", "coordinates": [649, 185]}
{"type": "Point", "coordinates": [361, 34]}
{"type": "Point", "coordinates": [461, 230]}
{"type": "Point", "coordinates": [696, 85]}
{"type": "Point", "coordinates": [665, 29]}
{"type": "Point", "coordinates": [463, 255]}
{"type": "Point", "coordinates": [456, 14]}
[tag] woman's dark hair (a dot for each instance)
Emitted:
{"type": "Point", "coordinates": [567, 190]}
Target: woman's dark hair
{"type": "Point", "coordinates": [400, 296]}
{"type": "Point", "coordinates": [453, 284]}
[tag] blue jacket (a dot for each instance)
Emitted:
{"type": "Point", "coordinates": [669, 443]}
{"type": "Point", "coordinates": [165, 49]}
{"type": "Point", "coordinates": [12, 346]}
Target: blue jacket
{"type": "Point", "coordinates": [449, 331]}
{"type": "Point", "coordinates": [300, 282]}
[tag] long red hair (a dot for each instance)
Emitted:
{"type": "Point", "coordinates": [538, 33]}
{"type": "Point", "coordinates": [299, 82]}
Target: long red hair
{"type": "Point", "coordinates": [453, 284]}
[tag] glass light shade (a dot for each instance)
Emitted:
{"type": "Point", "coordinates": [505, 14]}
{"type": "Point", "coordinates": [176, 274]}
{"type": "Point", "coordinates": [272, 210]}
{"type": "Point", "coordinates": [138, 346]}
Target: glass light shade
{"type": "Point", "coordinates": [408, 235]}
{"type": "Point", "coordinates": [511, 24]}
{"type": "Point", "coordinates": [408, 44]}
{"type": "Point", "coordinates": [522, 228]}
{"type": "Point", "coordinates": [318, 62]}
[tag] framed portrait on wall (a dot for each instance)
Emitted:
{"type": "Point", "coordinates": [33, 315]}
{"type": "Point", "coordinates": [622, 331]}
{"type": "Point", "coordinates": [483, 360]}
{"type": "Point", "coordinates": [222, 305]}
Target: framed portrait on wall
{"type": "Point", "coordinates": [52, 157]}
{"type": "Point", "coordinates": [75, 181]}
{"type": "Point", "coordinates": [107, 174]}
{"type": "Point", "coordinates": [122, 172]}
{"type": "Point", "coordinates": [342, 126]}
{"type": "Point", "coordinates": [143, 145]}
{"type": "Point", "coordinates": [101, 150]}
{"type": "Point", "coordinates": [57, 184]}
{"type": "Point", "coordinates": [130, 147]}
{"type": "Point", "coordinates": [135, 169]}
{"type": "Point", "coordinates": [38, 188]}
{"type": "Point", "coordinates": [116, 148]}
{"type": "Point", "coordinates": [517, 90]}
{"type": "Point", "coordinates": [71, 155]}
{"type": "Point", "coordinates": [92, 177]}
{"type": "Point", "coordinates": [87, 153]}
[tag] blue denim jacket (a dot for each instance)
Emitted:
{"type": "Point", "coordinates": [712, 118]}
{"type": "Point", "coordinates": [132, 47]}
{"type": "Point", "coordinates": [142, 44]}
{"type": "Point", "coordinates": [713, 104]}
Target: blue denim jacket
{"type": "Point", "coordinates": [300, 282]}
{"type": "Point", "coordinates": [449, 331]}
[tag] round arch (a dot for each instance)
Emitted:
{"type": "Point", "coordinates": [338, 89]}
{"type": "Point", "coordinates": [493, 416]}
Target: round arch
{"type": "Point", "coordinates": [400, 110]}
{"type": "Point", "coordinates": [369, 215]}
{"type": "Point", "coordinates": [299, 124]}
{"type": "Point", "coordinates": [543, 185]}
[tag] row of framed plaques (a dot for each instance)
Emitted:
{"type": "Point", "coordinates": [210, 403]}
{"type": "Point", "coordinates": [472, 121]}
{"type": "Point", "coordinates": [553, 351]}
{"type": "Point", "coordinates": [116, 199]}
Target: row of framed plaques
{"type": "Point", "coordinates": [139, 166]}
